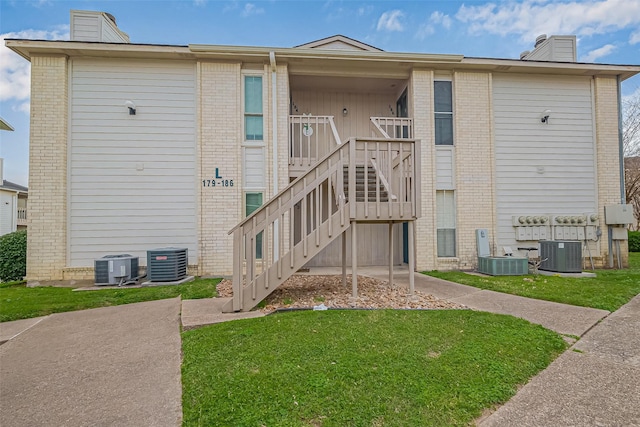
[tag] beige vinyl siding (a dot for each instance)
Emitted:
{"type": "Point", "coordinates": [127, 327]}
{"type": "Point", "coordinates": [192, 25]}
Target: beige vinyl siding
{"type": "Point", "coordinates": [564, 50]}
{"type": "Point", "coordinates": [95, 27]}
{"type": "Point", "coordinates": [361, 107]}
{"type": "Point", "coordinates": [444, 168]}
{"type": "Point", "coordinates": [132, 183]}
{"type": "Point", "coordinates": [109, 34]}
{"type": "Point", "coordinates": [7, 212]}
{"type": "Point", "coordinates": [254, 168]}
{"type": "Point", "coordinates": [86, 28]}
{"type": "Point", "coordinates": [542, 168]}
{"type": "Point", "coordinates": [373, 237]}
{"type": "Point", "coordinates": [555, 48]}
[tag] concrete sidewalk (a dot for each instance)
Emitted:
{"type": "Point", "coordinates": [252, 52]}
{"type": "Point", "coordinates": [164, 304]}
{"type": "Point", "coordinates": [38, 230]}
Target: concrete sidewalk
{"type": "Point", "coordinates": [121, 365]}
{"type": "Point", "coordinates": [595, 383]}
{"type": "Point", "coordinates": [562, 318]}
{"type": "Point", "coordinates": [101, 367]}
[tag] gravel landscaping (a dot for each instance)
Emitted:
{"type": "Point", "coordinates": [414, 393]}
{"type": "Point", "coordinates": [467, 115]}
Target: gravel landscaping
{"type": "Point", "coordinates": [307, 291]}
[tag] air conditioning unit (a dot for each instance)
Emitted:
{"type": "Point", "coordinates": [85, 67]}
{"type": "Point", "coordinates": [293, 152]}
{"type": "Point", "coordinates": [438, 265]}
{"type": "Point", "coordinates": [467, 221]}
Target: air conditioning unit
{"type": "Point", "coordinates": [561, 256]}
{"type": "Point", "coordinates": [115, 269]}
{"type": "Point", "coordinates": [167, 264]}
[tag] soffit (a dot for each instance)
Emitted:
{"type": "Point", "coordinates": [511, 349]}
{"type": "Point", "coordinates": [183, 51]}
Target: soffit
{"type": "Point", "coordinates": [314, 61]}
{"type": "Point", "coordinates": [345, 84]}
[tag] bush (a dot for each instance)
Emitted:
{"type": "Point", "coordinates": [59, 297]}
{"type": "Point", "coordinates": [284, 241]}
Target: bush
{"type": "Point", "coordinates": [13, 256]}
{"type": "Point", "coordinates": [634, 241]}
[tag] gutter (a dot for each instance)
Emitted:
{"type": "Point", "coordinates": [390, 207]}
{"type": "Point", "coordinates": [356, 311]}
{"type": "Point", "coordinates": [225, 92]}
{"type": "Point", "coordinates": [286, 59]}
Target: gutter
{"type": "Point", "coordinates": [623, 199]}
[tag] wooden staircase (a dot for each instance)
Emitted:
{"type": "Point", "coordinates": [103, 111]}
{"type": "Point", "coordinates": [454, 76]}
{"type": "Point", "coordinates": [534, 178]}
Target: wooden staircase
{"type": "Point", "coordinates": [316, 208]}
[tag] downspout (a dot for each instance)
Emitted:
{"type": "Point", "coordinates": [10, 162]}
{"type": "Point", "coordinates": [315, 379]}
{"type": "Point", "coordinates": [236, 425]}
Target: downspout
{"type": "Point", "coordinates": [623, 199]}
{"type": "Point", "coordinates": [274, 137]}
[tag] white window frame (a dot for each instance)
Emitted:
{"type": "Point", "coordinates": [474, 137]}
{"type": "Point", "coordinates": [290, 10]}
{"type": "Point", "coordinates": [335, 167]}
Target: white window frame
{"type": "Point", "coordinates": [453, 216]}
{"type": "Point", "coordinates": [453, 127]}
{"type": "Point", "coordinates": [252, 142]}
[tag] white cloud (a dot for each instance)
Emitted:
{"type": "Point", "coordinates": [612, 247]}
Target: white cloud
{"type": "Point", "coordinates": [199, 3]}
{"type": "Point", "coordinates": [15, 71]}
{"type": "Point", "coordinates": [634, 38]}
{"type": "Point", "coordinates": [428, 28]}
{"type": "Point", "coordinates": [424, 31]}
{"type": "Point", "coordinates": [533, 17]}
{"type": "Point", "coordinates": [364, 10]}
{"type": "Point", "coordinates": [440, 18]}
{"type": "Point", "coordinates": [595, 54]}
{"type": "Point", "coordinates": [251, 9]}
{"type": "Point", "coordinates": [390, 21]}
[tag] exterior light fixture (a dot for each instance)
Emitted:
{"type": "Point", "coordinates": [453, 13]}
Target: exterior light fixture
{"type": "Point", "coordinates": [131, 106]}
{"type": "Point", "coordinates": [345, 111]}
{"type": "Point", "coordinates": [544, 117]}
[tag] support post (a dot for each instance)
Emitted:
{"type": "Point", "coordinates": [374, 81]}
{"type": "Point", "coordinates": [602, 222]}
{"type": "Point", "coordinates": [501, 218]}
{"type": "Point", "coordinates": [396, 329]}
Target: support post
{"type": "Point", "coordinates": [354, 260]}
{"type": "Point", "coordinates": [390, 253]}
{"type": "Point", "coordinates": [412, 262]}
{"type": "Point", "coordinates": [344, 259]}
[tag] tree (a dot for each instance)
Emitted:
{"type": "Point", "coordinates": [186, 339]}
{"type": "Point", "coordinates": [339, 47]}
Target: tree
{"type": "Point", "coordinates": [632, 186]}
{"type": "Point", "coordinates": [631, 125]}
{"type": "Point", "coordinates": [631, 147]}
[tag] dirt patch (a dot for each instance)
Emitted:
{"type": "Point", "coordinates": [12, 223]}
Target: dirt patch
{"type": "Point", "coordinates": [306, 291]}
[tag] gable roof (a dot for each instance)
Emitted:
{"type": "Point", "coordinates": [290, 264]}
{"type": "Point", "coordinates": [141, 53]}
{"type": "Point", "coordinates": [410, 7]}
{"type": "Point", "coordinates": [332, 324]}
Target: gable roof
{"type": "Point", "coordinates": [339, 42]}
{"type": "Point", "coordinates": [8, 185]}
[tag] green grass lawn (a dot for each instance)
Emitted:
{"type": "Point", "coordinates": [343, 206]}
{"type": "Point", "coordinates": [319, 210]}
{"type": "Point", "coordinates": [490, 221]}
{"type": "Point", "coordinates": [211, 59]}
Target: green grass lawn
{"type": "Point", "coordinates": [609, 290]}
{"type": "Point", "coordinates": [19, 302]}
{"type": "Point", "coordinates": [359, 368]}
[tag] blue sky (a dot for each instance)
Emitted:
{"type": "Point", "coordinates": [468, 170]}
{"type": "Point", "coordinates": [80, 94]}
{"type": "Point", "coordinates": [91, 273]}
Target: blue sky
{"type": "Point", "coordinates": [608, 31]}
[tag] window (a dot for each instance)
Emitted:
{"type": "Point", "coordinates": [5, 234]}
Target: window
{"type": "Point", "coordinates": [446, 223]}
{"type": "Point", "coordinates": [443, 103]}
{"type": "Point", "coordinates": [252, 202]}
{"type": "Point", "coordinates": [253, 119]}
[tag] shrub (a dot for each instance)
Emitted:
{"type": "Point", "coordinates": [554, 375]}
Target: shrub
{"type": "Point", "coordinates": [634, 241]}
{"type": "Point", "coordinates": [13, 256]}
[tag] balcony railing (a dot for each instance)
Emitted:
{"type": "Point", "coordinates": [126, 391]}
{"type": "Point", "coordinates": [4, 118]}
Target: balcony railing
{"type": "Point", "coordinates": [394, 127]}
{"type": "Point", "coordinates": [22, 216]}
{"type": "Point", "coordinates": [310, 139]}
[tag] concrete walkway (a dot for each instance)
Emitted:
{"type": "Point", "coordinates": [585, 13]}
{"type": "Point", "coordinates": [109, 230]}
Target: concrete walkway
{"type": "Point", "coordinates": [113, 366]}
{"type": "Point", "coordinates": [595, 383]}
{"type": "Point", "coordinates": [121, 365]}
{"type": "Point", "coordinates": [562, 318]}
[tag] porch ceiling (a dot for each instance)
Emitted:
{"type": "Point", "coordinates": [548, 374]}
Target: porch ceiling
{"type": "Point", "coordinates": [345, 84]}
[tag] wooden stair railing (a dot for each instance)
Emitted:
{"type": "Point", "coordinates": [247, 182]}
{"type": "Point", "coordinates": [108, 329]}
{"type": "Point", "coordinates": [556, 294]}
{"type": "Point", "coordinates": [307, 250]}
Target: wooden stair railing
{"type": "Point", "coordinates": [302, 219]}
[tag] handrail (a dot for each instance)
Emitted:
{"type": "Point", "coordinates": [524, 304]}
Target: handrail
{"type": "Point", "coordinates": [334, 131]}
{"type": "Point", "coordinates": [22, 213]}
{"type": "Point", "coordinates": [394, 127]}
{"type": "Point", "coordinates": [289, 229]}
{"type": "Point", "coordinates": [383, 180]}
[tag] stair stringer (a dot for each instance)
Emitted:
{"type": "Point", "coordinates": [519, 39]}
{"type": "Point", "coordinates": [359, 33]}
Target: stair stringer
{"type": "Point", "coordinates": [281, 270]}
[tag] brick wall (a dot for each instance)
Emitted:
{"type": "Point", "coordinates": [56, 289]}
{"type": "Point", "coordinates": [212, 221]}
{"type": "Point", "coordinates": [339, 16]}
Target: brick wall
{"type": "Point", "coordinates": [220, 136]}
{"type": "Point", "coordinates": [421, 109]}
{"type": "Point", "coordinates": [474, 157]}
{"type": "Point", "coordinates": [47, 215]}
{"type": "Point", "coordinates": [607, 156]}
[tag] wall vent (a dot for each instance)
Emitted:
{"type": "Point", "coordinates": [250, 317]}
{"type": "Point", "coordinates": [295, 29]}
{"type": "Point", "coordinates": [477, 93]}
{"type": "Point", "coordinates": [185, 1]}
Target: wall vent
{"type": "Point", "coordinates": [115, 269]}
{"type": "Point", "coordinates": [561, 256]}
{"type": "Point", "coordinates": [167, 264]}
